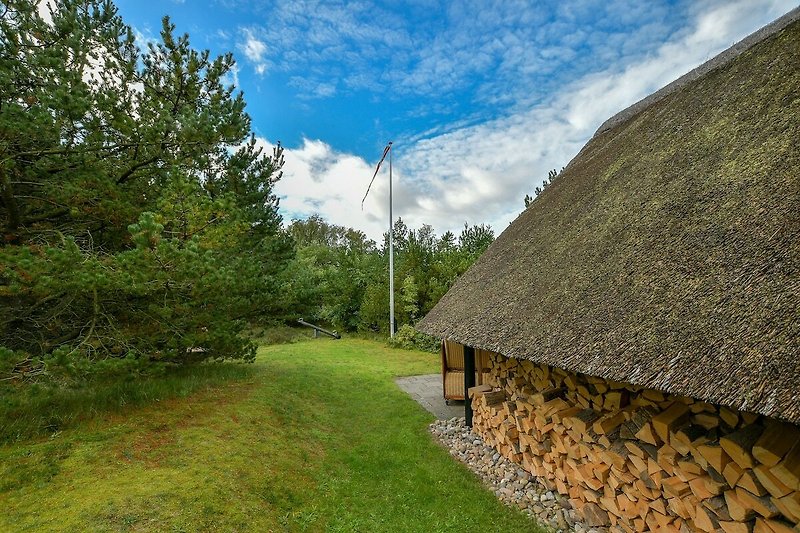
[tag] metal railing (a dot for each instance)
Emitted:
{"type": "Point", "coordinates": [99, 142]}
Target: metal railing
{"type": "Point", "coordinates": [318, 330]}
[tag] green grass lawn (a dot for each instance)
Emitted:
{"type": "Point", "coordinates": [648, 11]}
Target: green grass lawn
{"type": "Point", "coordinates": [314, 437]}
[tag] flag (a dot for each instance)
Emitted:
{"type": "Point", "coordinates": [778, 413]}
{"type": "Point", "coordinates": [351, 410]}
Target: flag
{"type": "Point", "coordinates": [385, 151]}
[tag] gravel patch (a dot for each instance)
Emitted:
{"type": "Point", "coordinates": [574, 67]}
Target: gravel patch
{"type": "Point", "coordinates": [509, 481]}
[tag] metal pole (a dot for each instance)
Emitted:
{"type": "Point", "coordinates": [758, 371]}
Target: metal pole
{"type": "Point", "coordinates": [318, 329]}
{"type": "Point", "coordinates": [391, 249]}
{"type": "Point", "coordinates": [469, 382]}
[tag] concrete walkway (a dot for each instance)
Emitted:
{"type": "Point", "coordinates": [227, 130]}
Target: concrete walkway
{"type": "Point", "coordinates": [427, 390]}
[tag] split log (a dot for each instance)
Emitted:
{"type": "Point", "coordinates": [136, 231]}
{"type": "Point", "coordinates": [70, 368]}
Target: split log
{"type": "Point", "coordinates": [706, 420]}
{"type": "Point", "coordinates": [667, 523]}
{"type": "Point", "coordinates": [584, 420]}
{"type": "Point", "coordinates": [772, 484]}
{"type": "Point", "coordinates": [637, 465]}
{"type": "Point", "coordinates": [478, 390]}
{"type": "Point", "coordinates": [773, 526]}
{"type": "Point", "coordinates": [690, 469]}
{"type": "Point", "coordinates": [714, 486]}
{"type": "Point", "coordinates": [678, 507]}
{"type": "Point", "coordinates": [674, 487]}
{"type": "Point", "coordinates": [705, 520]}
{"type": "Point", "coordinates": [667, 457]}
{"type": "Point", "coordinates": [639, 417]}
{"type": "Point", "coordinates": [547, 395]}
{"type": "Point", "coordinates": [653, 467]}
{"type": "Point", "coordinates": [675, 415]}
{"type": "Point", "coordinates": [714, 455]}
{"type": "Point", "coordinates": [647, 434]}
{"type": "Point", "coordinates": [703, 407]}
{"type": "Point", "coordinates": [699, 488]}
{"type": "Point", "coordinates": [609, 422]}
{"type": "Point", "coordinates": [594, 516]}
{"type": "Point", "coordinates": [736, 527]}
{"type": "Point", "coordinates": [685, 438]}
{"type": "Point", "coordinates": [718, 506]}
{"type": "Point", "coordinates": [739, 444]}
{"type": "Point", "coordinates": [652, 523]}
{"type": "Point", "coordinates": [569, 412]}
{"type": "Point", "coordinates": [748, 417]}
{"type": "Point", "coordinates": [638, 460]}
{"type": "Point", "coordinates": [615, 400]}
{"type": "Point", "coordinates": [616, 455]}
{"type": "Point", "coordinates": [788, 470]}
{"type": "Point", "coordinates": [732, 473]}
{"type": "Point", "coordinates": [653, 395]}
{"type": "Point", "coordinates": [729, 417]}
{"type": "Point", "coordinates": [776, 441]}
{"type": "Point", "coordinates": [790, 504]}
{"type": "Point", "coordinates": [493, 398]}
{"type": "Point", "coordinates": [610, 505]}
{"type": "Point", "coordinates": [750, 483]}
{"type": "Point", "coordinates": [760, 504]}
{"type": "Point", "coordinates": [659, 505]}
{"type": "Point", "coordinates": [738, 510]}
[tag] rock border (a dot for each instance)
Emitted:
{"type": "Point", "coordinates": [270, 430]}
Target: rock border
{"type": "Point", "coordinates": [512, 485]}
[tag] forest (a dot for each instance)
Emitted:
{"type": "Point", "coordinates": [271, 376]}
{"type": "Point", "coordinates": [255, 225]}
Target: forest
{"type": "Point", "coordinates": [138, 220]}
{"type": "Point", "coordinates": [341, 276]}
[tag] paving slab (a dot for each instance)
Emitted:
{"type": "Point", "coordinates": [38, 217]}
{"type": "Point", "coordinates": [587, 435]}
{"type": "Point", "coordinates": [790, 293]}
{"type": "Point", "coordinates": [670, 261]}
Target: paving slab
{"type": "Point", "coordinates": [427, 390]}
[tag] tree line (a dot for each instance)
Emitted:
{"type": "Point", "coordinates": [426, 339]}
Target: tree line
{"type": "Point", "coordinates": [341, 276]}
{"type": "Point", "coordinates": [138, 223]}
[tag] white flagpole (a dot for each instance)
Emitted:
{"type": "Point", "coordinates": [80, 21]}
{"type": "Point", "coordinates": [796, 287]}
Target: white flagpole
{"type": "Point", "coordinates": [391, 250]}
{"type": "Point", "coordinates": [386, 150]}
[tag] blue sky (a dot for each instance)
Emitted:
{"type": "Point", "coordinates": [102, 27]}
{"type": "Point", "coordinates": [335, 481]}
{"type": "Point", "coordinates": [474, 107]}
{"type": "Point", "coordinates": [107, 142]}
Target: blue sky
{"type": "Point", "coordinates": [480, 98]}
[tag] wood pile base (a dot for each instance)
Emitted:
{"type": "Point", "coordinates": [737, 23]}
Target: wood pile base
{"type": "Point", "coordinates": [633, 459]}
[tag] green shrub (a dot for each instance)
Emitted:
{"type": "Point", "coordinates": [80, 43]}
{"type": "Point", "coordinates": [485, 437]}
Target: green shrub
{"type": "Point", "coordinates": [410, 339]}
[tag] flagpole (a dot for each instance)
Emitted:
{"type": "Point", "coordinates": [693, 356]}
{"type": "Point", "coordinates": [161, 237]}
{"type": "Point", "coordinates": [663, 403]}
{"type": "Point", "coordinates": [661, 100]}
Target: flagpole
{"type": "Point", "coordinates": [391, 250]}
{"type": "Point", "coordinates": [387, 150]}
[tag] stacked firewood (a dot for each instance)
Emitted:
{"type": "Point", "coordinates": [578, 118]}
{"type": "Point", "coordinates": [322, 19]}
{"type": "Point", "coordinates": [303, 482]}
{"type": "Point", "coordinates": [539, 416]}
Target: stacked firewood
{"type": "Point", "coordinates": [634, 459]}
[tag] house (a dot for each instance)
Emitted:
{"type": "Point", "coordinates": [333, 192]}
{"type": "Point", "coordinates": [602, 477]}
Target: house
{"type": "Point", "coordinates": [643, 313]}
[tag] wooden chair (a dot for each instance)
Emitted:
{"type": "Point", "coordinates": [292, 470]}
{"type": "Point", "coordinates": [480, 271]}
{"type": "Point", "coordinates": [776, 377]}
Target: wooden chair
{"type": "Point", "coordinates": [453, 369]}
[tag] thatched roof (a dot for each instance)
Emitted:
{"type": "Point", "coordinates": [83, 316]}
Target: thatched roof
{"type": "Point", "coordinates": [667, 253]}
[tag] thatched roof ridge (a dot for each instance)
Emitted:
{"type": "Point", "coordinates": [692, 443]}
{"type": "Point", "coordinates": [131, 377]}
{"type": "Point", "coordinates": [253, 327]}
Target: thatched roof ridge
{"type": "Point", "coordinates": [718, 61]}
{"type": "Point", "coordinates": [667, 253]}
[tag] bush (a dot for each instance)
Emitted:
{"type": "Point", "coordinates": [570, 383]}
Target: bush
{"type": "Point", "coordinates": [410, 339]}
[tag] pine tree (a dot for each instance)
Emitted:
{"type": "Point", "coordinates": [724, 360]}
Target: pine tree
{"type": "Point", "coordinates": [137, 212]}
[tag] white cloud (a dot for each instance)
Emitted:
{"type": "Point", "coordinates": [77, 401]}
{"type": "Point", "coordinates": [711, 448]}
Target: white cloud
{"type": "Point", "coordinates": [254, 50]}
{"type": "Point", "coordinates": [144, 38]}
{"type": "Point", "coordinates": [232, 77]}
{"type": "Point", "coordinates": [480, 173]}
{"type": "Point", "coordinates": [318, 179]}
{"type": "Point", "coordinates": [44, 7]}
{"type": "Point", "coordinates": [311, 88]}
